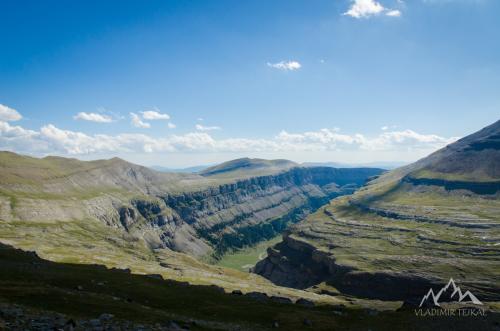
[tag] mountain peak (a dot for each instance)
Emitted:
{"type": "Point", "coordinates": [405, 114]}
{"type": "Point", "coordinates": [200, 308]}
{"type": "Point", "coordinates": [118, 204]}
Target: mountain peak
{"type": "Point", "coordinates": [474, 158]}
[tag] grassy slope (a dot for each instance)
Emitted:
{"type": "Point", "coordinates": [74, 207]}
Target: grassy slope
{"type": "Point", "coordinates": [393, 226]}
{"type": "Point", "coordinates": [90, 241]}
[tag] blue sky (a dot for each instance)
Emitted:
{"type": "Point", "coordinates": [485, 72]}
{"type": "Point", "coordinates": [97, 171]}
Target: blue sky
{"type": "Point", "coordinates": [336, 80]}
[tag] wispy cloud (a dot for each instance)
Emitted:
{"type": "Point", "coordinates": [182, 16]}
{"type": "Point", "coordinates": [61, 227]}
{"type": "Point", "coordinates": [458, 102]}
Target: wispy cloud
{"type": "Point", "coordinates": [171, 125]}
{"type": "Point", "coordinates": [154, 115]}
{"type": "Point", "coordinates": [137, 121]}
{"type": "Point", "coordinates": [93, 117]}
{"type": "Point", "coordinates": [393, 13]}
{"type": "Point", "coordinates": [285, 65]}
{"type": "Point", "coordinates": [200, 127]}
{"type": "Point", "coordinates": [368, 8]}
{"type": "Point", "coordinates": [8, 114]}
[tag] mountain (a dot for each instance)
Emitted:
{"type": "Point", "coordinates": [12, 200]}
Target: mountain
{"type": "Point", "coordinates": [248, 167]}
{"type": "Point", "coordinates": [408, 230]}
{"type": "Point", "coordinates": [475, 158]}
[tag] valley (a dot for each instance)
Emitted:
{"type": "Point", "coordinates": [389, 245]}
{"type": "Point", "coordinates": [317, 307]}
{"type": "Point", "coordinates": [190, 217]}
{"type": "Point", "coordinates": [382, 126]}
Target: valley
{"type": "Point", "coordinates": [125, 216]}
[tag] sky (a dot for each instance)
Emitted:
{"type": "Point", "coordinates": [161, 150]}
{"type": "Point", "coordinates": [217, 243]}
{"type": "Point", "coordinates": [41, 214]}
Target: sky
{"type": "Point", "coordinates": [182, 83]}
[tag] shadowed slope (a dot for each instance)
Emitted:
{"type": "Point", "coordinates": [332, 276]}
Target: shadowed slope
{"type": "Point", "coordinates": [32, 290]}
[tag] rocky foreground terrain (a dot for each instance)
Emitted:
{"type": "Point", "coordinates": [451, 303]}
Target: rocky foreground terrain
{"type": "Point", "coordinates": [408, 230]}
{"type": "Point", "coordinates": [41, 295]}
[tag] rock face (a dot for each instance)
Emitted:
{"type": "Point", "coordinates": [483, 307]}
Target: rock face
{"type": "Point", "coordinates": [250, 210]}
{"type": "Point", "coordinates": [407, 231]}
{"type": "Point", "coordinates": [232, 205]}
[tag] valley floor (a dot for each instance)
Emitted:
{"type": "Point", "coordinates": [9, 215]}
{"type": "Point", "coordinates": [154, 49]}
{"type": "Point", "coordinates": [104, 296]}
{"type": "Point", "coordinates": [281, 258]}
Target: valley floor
{"type": "Point", "coordinates": [244, 259]}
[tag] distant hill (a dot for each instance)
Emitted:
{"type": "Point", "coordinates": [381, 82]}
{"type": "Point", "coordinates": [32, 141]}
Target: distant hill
{"type": "Point", "coordinates": [59, 175]}
{"type": "Point", "coordinates": [248, 167]}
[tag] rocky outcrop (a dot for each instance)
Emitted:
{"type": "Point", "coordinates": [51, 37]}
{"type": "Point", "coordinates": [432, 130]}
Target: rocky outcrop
{"type": "Point", "coordinates": [298, 264]}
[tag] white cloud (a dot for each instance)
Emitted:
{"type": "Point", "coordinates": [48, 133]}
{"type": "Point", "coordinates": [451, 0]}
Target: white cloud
{"type": "Point", "coordinates": [393, 13]}
{"type": "Point", "coordinates": [368, 8]}
{"type": "Point", "coordinates": [52, 140]}
{"type": "Point", "coordinates": [8, 114]}
{"type": "Point", "coordinates": [200, 127]}
{"type": "Point", "coordinates": [93, 117]}
{"type": "Point", "coordinates": [285, 65]}
{"type": "Point", "coordinates": [137, 122]}
{"type": "Point", "coordinates": [171, 125]}
{"type": "Point", "coordinates": [384, 128]}
{"type": "Point", "coordinates": [154, 115]}
{"type": "Point", "coordinates": [364, 8]}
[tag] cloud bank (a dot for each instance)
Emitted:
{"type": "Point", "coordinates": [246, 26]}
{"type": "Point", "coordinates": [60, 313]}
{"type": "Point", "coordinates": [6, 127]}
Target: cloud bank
{"type": "Point", "coordinates": [52, 140]}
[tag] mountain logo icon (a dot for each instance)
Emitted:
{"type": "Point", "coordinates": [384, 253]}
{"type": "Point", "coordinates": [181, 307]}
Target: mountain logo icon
{"type": "Point", "coordinates": [456, 293]}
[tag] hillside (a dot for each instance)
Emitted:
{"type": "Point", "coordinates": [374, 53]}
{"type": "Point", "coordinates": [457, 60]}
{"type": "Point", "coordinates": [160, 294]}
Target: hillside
{"type": "Point", "coordinates": [409, 229]}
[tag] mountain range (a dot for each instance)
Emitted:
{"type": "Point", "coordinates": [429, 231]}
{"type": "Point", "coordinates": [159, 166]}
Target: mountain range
{"type": "Point", "coordinates": [354, 239]}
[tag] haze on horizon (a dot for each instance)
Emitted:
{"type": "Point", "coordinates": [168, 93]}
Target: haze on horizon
{"type": "Point", "coordinates": [177, 84]}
